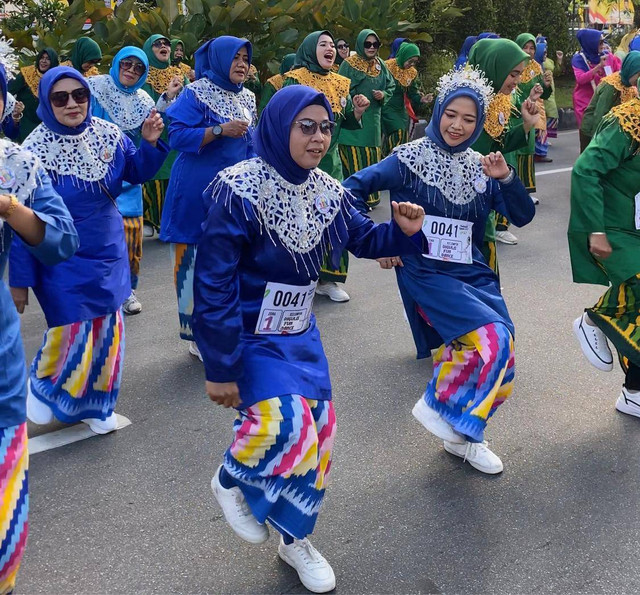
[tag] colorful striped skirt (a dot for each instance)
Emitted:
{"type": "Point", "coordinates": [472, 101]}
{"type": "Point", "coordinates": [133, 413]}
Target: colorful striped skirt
{"type": "Point", "coordinates": [338, 275]}
{"type": "Point", "coordinates": [617, 314]}
{"type": "Point", "coordinates": [281, 457]}
{"type": "Point", "coordinates": [472, 377]}
{"type": "Point", "coordinates": [552, 127]}
{"type": "Point", "coordinates": [14, 504]}
{"type": "Point", "coordinates": [78, 369]}
{"type": "Point", "coordinates": [542, 142]}
{"type": "Point", "coordinates": [133, 238]}
{"type": "Point", "coordinates": [183, 258]}
{"type": "Point", "coordinates": [394, 139]}
{"type": "Point", "coordinates": [153, 195]}
{"type": "Point", "coordinates": [356, 158]}
{"type": "Point", "coordinates": [526, 170]}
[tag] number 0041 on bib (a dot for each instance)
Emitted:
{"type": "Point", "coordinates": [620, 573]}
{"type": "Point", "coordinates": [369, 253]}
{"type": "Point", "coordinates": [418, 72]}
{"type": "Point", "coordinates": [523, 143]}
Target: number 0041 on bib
{"type": "Point", "coordinates": [449, 239]}
{"type": "Point", "coordinates": [286, 309]}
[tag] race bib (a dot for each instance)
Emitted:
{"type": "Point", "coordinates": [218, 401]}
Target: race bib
{"type": "Point", "coordinates": [608, 70]}
{"type": "Point", "coordinates": [449, 239]}
{"type": "Point", "coordinates": [637, 210]}
{"type": "Point", "coordinates": [286, 309]}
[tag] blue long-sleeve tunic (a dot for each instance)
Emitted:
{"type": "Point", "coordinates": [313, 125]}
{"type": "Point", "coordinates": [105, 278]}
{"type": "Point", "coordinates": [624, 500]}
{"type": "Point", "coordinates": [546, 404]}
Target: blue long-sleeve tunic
{"type": "Point", "coordinates": [236, 259]}
{"type": "Point", "coordinates": [456, 298]}
{"type": "Point", "coordinates": [60, 242]}
{"type": "Point", "coordinates": [184, 210]}
{"type": "Point", "coordinates": [96, 280]}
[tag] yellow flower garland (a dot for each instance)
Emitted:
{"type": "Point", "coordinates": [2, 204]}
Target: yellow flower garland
{"type": "Point", "coordinates": [32, 77]}
{"type": "Point", "coordinates": [371, 68]}
{"type": "Point", "coordinates": [405, 76]}
{"type": "Point", "coordinates": [334, 86]}
{"type": "Point", "coordinates": [531, 71]}
{"type": "Point", "coordinates": [159, 78]}
{"type": "Point", "coordinates": [626, 93]}
{"type": "Point", "coordinates": [498, 115]}
{"type": "Point", "coordinates": [276, 81]}
{"type": "Point", "coordinates": [628, 116]}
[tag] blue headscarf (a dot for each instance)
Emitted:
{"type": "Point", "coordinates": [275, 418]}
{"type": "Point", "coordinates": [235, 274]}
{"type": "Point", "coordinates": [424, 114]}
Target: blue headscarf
{"type": "Point", "coordinates": [634, 44]}
{"type": "Point", "coordinates": [589, 40]}
{"type": "Point", "coordinates": [3, 86]}
{"type": "Point", "coordinates": [214, 59]}
{"type": "Point", "coordinates": [271, 137]}
{"type": "Point", "coordinates": [433, 129]}
{"type": "Point", "coordinates": [129, 52]}
{"type": "Point", "coordinates": [463, 56]}
{"type": "Point", "coordinates": [487, 35]}
{"type": "Point", "coordinates": [45, 111]}
{"type": "Point", "coordinates": [541, 48]}
{"type": "Point", "coordinates": [395, 45]}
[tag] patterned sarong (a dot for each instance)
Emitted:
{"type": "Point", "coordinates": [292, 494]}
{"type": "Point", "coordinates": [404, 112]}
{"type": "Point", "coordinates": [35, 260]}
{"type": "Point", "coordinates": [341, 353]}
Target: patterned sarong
{"type": "Point", "coordinates": [153, 195]}
{"type": "Point", "coordinates": [133, 237]}
{"type": "Point", "coordinates": [281, 458]}
{"type": "Point", "coordinates": [356, 158]}
{"type": "Point", "coordinates": [183, 257]}
{"type": "Point", "coordinates": [393, 140]}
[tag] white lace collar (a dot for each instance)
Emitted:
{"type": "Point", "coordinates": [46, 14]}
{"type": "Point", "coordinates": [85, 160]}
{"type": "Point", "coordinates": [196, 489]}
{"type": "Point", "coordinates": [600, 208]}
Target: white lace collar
{"type": "Point", "coordinates": [127, 110]}
{"type": "Point", "coordinates": [458, 176]}
{"type": "Point", "coordinates": [225, 104]}
{"type": "Point", "coordinates": [18, 171]}
{"type": "Point", "coordinates": [87, 156]}
{"type": "Point", "coordinates": [298, 214]}
{"type": "Point", "coordinates": [9, 106]}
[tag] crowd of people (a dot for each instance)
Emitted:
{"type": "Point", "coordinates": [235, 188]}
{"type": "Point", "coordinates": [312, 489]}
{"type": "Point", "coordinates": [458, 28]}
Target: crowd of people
{"type": "Point", "coordinates": [261, 191]}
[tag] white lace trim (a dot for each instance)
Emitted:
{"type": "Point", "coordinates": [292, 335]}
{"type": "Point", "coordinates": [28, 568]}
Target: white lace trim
{"type": "Point", "coordinates": [9, 106]}
{"type": "Point", "coordinates": [87, 156]}
{"type": "Point", "coordinates": [458, 176]}
{"type": "Point", "coordinates": [226, 104]}
{"type": "Point", "coordinates": [127, 110]}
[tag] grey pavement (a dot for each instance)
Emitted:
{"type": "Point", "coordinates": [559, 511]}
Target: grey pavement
{"type": "Point", "coordinates": [132, 512]}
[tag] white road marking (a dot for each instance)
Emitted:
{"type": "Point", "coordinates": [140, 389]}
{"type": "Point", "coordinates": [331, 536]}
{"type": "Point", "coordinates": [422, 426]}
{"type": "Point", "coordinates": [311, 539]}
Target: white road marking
{"type": "Point", "coordinates": [548, 172]}
{"type": "Point", "coordinates": [68, 435]}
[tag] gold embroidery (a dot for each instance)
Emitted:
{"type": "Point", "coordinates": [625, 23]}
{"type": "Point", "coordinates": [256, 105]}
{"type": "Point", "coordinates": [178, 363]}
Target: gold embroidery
{"type": "Point", "coordinates": [628, 116]}
{"type": "Point", "coordinates": [371, 68]}
{"type": "Point", "coordinates": [185, 68]}
{"type": "Point", "coordinates": [626, 93]}
{"type": "Point", "coordinates": [32, 77]}
{"type": "Point", "coordinates": [276, 81]}
{"type": "Point", "coordinates": [334, 86]}
{"type": "Point", "coordinates": [159, 78]}
{"type": "Point", "coordinates": [531, 71]}
{"type": "Point", "coordinates": [253, 71]}
{"type": "Point", "coordinates": [405, 76]}
{"type": "Point", "coordinates": [93, 71]}
{"type": "Point", "coordinates": [498, 115]}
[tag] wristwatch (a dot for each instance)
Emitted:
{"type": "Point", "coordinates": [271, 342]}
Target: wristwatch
{"type": "Point", "coordinates": [217, 130]}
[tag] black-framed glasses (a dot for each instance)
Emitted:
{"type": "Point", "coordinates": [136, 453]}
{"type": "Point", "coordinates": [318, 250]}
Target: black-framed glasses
{"type": "Point", "coordinates": [343, 46]}
{"type": "Point", "coordinates": [161, 43]}
{"type": "Point", "coordinates": [310, 127]}
{"type": "Point", "coordinates": [138, 67]}
{"type": "Point", "coordinates": [371, 44]}
{"type": "Point", "coordinates": [61, 98]}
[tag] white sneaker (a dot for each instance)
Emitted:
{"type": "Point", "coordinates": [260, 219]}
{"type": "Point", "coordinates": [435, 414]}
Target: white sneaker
{"type": "Point", "coordinates": [147, 230]}
{"type": "Point", "coordinates": [38, 412]}
{"type": "Point", "coordinates": [314, 571]}
{"type": "Point", "coordinates": [594, 344]}
{"type": "Point", "coordinates": [333, 291]}
{"type": "Point", "coordinates": [477, 454]}
{"type": "Point", "coordinates": [506, 237]}
{"type": "Point", "coordinates": [132, 305]}
{"type": "Point", "coordinates": [102, 426]}
{"type": "Point", "coordinates": [629, 402]}
{"type": "Point", "coordinates": [237, 512]}
{"type": "Point", "coordinates": [193, 350]}
{"type": "Point", "coordinates": [435, 423]}
{"type": "Point", "coordinates": [535, 199]}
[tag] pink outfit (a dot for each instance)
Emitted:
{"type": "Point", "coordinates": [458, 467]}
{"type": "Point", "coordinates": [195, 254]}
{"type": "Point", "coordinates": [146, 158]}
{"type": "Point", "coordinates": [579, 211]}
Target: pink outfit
{"type": "Point", "coordinates": [586, 82]}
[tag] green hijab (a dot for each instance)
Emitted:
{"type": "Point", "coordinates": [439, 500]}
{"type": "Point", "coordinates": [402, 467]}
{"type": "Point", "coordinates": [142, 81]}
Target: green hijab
{"type": "Point", "coordinates": [287, 63]}
{"type": "Point", "coordinates": [147, 49]}
{"type": "Point", "coordinates": [525, 38]}
{"type": "Point", "coordinates": [53, 56]}
{"type": "Point", "coordinates": [496, 58]}
{"type": "Point", "coordinates": [174, 45]}
{"type": "Point", "coordinates": [85, 50]}
{"type": "Point", "coordinates": [406, 52]}
{"type": "Point", "coordinates": [630, 66]}
{"type": "Point", "coordinates": [362, 36]}
{"type": "Point", "coordinates": [306, 56]}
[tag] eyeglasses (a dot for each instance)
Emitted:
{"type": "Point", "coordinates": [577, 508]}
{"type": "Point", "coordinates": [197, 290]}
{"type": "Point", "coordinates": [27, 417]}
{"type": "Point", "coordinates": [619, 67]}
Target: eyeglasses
{"type": "Point", "coordinates": [138, 67]}
{"type": "Point", "coordinates": [161, 43]}
{"type": "Point", "coordinates": [371, 44]}
{"type": "Point", "coordinates": [343, 46]}
{"type": "Point", "coordinates": [61, 98]}
{"type": "Point", "coordinates": [310, 127]}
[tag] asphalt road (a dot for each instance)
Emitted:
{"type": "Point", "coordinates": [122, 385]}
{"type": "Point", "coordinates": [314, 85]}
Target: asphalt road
{"type": "Point", "coordinates": [132, 512]}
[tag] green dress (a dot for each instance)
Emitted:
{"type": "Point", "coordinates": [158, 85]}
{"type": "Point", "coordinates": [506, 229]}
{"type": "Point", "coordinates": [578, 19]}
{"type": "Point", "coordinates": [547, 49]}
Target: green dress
{"type": "Point", "coordinates": [604, 193]}
{"type": "Point", "coordinates": [275, 83]}
{"type": "Point", "coordinates": [550, 106]}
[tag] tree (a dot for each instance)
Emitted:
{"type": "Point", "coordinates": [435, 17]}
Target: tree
{"type": "Point", "coordinates": [550, 18]}
{"type": "Point", "coordinates": [512, 17]}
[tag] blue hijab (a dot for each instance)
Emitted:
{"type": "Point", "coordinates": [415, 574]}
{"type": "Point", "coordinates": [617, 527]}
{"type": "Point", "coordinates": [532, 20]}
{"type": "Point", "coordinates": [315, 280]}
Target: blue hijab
{"type": "Point", "coordinates": [589, 40]}
{"type": "Point", "coordinates": [45, 111]}
{"type": "Point", "coordinates": [271, 137]}
{"type": "Point", "coordinates": [214, 59]}
{"type": "Point", "coordinates": [395, 45]}
{"type": "Point", "coordinates": [487, 35]}
{"type": "Point", "coordinates": [3, 86]}
{"type": "Point", "coordinates": [463, 56]}
{"type": "Point", "coordinates": [541, 48]}
{"type": "Point", "coordinates": [433, 129]}
{"type": "Point", "coordinates": [634, 44]}
{"type": "Point", "coordinates": [129, 52]}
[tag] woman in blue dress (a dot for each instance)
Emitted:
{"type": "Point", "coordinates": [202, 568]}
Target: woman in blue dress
{"type": "Point", "coordinates": [452, 298]}
{"type": "Point", "coordinates": [211, 124]}
{"type": "Point", "coordinates": [76, 374]}
{"type": "Point", "coordinates": [272, 221]}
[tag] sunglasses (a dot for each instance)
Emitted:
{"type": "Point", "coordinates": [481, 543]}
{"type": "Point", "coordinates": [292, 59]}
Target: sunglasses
{"type": "Point", "coordinates": [61, 98]}
{"type": "Point", "coordinates": [161, 43]}
{"type": "Point", "coordinates": [310, 127]}
{"type": "Point", "coordinates": [371, 44]}
{"type": "Point", "coordinates": [343, 46]}
{"type": "Point", "coordinates": [137, 67]}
